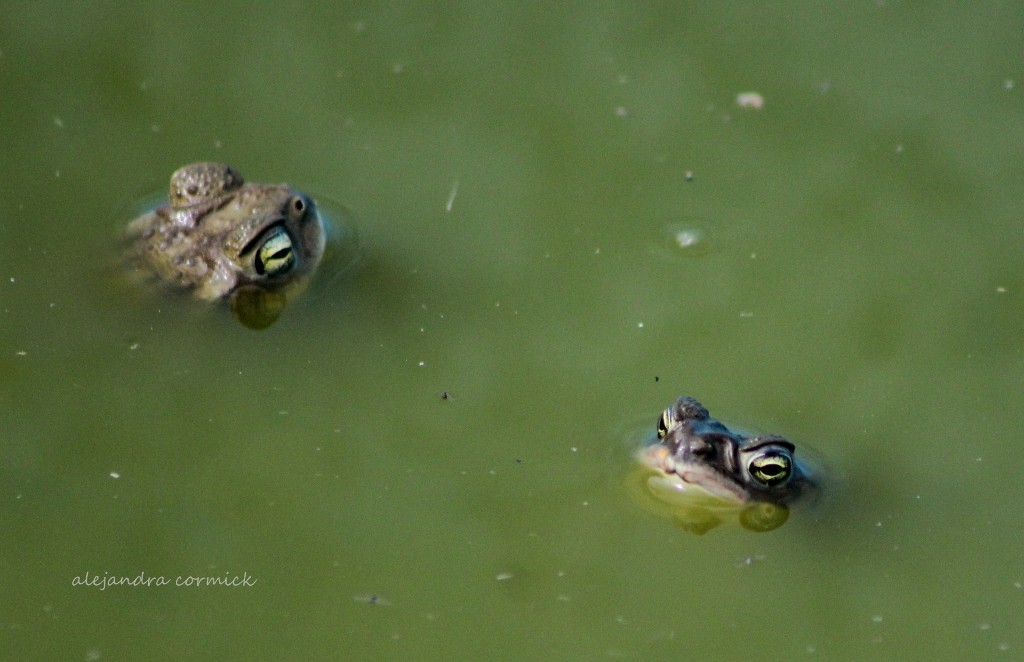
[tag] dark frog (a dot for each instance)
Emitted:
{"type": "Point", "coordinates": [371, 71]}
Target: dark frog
{"type": "Point", "coordinates": [703, 474]}
{"type": "Point", "coordinates": [221, 238]}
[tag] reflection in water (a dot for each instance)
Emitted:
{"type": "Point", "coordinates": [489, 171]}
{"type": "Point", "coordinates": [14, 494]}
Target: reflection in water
{"type": "Point", "coordinates": [256, 307]}
{"type": "Point", "coordinates": [699, 512]}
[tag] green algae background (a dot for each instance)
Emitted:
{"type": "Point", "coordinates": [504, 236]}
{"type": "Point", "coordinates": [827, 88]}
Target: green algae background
{"type": "Point", "coordinates": [518, 175]}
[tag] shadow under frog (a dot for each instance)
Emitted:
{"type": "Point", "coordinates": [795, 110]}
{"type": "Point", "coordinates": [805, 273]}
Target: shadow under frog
{"type": "Point", "coordinates": [254, 245]}
{"type": "Point", "coordinates": [701, 474]}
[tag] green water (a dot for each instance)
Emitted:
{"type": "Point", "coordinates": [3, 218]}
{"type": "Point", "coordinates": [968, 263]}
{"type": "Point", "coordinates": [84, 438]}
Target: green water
{"type": "Point", "coordinates": [516, 176]}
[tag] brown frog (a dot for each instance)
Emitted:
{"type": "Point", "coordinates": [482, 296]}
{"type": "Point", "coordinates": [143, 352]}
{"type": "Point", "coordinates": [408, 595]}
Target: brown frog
{"type": "Point", "coordinates": [220, 237]}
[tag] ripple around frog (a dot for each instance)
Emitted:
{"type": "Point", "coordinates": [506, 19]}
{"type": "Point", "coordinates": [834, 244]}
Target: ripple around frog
{"type": "Point", "coordinates": [342, 254]}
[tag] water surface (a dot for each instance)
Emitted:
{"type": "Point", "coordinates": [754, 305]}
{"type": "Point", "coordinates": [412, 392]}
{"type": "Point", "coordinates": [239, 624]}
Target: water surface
{"type": "Point", "coordinates": [518, 178]}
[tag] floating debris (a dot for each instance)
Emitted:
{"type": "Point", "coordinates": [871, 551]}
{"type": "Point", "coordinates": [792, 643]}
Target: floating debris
{"type": "Point", "coordinates": [750, 100]}
{"type": "Point", "coordinates": [687, 237]}
{"type": "Point", "coordinates": [451, 196]}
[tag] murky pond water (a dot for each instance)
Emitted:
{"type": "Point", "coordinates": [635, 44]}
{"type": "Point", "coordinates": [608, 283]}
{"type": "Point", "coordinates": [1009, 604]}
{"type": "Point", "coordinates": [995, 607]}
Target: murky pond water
{"type": "Point", "coordinates": [566, 220]}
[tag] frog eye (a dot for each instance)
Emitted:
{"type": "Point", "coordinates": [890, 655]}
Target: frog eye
{"type": "Point", "coordinates": [275, 255]}
{"type": "Point", "coordinates": [771, 468]}
{"type": "Point", "coordinates": [666, 423]}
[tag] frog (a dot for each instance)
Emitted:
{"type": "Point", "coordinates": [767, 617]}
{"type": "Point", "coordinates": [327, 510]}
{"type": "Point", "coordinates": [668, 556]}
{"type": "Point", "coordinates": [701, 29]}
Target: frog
{"type": "Point", "coordinates": [223, 239]}
{"type": "Point", "coordinates": [703, 474]}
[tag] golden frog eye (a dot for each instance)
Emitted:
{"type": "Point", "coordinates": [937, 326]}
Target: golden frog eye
{"type": "Point", "coordinates": [771, 468]}
{"type": "Point", "coordinates": [665, 423]}
{"type": "Point", "coordinates": [275, 255]}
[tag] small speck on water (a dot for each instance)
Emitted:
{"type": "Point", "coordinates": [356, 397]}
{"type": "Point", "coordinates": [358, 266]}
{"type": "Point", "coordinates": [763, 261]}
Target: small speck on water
{"type": "Point", "coordinates": [503, 576]}
{"type": "Point", "coordinates": [687, 238]}
{"type": "Point", "coordinates": [115, 475]}
{"type": "Point", "coordinates": [451, 196]}
{"type": "Point", "coordinates": [751, 100]}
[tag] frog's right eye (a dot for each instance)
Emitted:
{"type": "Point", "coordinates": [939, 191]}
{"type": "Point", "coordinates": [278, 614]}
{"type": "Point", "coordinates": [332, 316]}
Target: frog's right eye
{"type": "Point", "coordinates": [275, 255]}
{"type": "Point", "coordinates": [771, 468]}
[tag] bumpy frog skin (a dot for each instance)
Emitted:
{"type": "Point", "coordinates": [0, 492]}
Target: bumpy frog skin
{"type": "Point", "coordinates": [219, 235]}
{"type": "Point", "coordinates": [706, 474]}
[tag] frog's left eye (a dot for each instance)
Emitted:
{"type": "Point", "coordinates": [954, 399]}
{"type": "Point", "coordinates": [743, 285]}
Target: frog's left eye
{"type": "Point", "coordinates": [771, 467]}
{"type": "Point", "coordinates": [275, 255]}
{"type": "Point", "coordinates": [665, 423]}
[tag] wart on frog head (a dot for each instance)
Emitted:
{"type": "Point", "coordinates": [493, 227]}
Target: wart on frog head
{"type": "Point", "coordinates": [219, 236]}
{"type": "Point", "coordinates": [201, 183]}
{"type": "Point", "coordinates": [709, 474]}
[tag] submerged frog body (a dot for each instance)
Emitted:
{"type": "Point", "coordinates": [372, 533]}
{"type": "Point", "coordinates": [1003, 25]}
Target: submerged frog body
{"type": "Point", "coordinates": [219, 237]}
{"type": "Point", "coordinates": [702, 473]}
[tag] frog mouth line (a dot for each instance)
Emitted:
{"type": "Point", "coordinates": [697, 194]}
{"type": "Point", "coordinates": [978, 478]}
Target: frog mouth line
{"type": "Point", "coordinates": [723, 488]}
{"type": "Point", "coordinates": [716, 485]}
